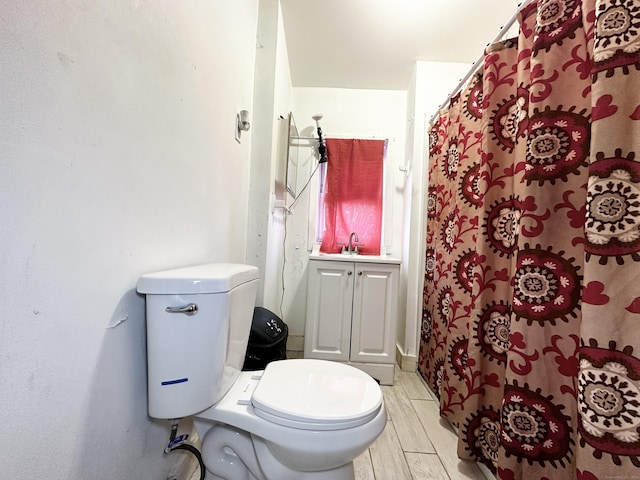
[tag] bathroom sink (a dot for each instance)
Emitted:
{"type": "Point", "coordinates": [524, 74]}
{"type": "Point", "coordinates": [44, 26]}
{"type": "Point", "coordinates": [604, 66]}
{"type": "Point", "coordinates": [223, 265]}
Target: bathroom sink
{"type": "Point", "coordinates": [354, 257]}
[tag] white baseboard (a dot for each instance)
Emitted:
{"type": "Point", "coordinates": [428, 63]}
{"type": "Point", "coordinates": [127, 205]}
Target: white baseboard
{"type": "Point", "coordinates": [407, 363]}
{"type": "Point", "coordinates": [295, 343]}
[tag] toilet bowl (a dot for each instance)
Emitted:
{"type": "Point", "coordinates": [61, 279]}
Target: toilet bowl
{"type": "Point", "coordinates": [298, 419]}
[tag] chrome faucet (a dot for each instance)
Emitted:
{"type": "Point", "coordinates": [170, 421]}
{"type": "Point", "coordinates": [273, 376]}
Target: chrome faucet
{"type": "Point", "coordinates": [353, 247]}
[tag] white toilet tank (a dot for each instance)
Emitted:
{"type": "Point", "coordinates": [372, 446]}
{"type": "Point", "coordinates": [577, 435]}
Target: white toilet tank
{"type": "Point", "coordinates": [198, 324]}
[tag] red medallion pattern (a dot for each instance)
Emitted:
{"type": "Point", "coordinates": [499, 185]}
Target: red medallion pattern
{"type": "Point", "coordinates": [482, 433]}
{"type": "Point", "coordinates": [529, 334]}
{"type": "Point", "coordinates": [557, 145]}
{"type": "Point", "coordinates": [547, 286]}
{"type": "Point", "coordinates": [503, 226]}
{"type": "Point", "coordinates": [533, 427]}
{"type": "Point", "coordinates": [510, 119]}
{"type": "Point", "coordinates": [609, 401]}
{"type": "Point", "coordinates": [493, 332]}
{"type": "Point", "coordinates": [613, 208]}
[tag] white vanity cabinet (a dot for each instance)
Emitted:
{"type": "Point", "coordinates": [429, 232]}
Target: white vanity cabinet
{"type": "Point", "coordinates": [351, 314]}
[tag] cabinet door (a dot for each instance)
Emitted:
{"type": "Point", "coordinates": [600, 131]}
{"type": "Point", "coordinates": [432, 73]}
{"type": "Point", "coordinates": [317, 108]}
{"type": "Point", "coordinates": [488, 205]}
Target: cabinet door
{"type": "Point", "coordinates": [375, 302]}
{"type": "Point", "coordinates": [328, 324]}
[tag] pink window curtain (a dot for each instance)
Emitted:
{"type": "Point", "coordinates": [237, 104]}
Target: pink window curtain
{"type": "Point", "coordinates": [353, 194]}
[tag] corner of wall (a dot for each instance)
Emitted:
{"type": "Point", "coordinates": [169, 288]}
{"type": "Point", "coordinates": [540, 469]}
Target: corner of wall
{"type": "Point", "coordinates": [407, 363]}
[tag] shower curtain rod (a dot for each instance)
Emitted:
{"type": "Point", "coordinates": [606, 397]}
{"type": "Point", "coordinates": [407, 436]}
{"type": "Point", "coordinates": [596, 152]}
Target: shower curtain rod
{"type": "Point", "coordinates": [478, 63]}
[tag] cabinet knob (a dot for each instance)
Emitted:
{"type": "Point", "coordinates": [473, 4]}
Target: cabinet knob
{"type": "Point", "coordinates": [359, 273]}
{"type": "Point", "coordinates": [349, 273]}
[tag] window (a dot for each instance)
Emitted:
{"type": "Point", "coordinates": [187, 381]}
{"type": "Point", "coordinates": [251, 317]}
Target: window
{"type": "Point", "coordinates": [351, 195]}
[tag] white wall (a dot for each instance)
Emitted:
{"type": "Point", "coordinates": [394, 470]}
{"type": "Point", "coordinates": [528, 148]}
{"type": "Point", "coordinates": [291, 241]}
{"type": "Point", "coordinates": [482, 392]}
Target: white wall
{"type": "Point", "coordinates": [117, 157]}
{"type": "Point", "coordinates": [279, 138]}
{"type": "Point", "coordinates": [434, 81]}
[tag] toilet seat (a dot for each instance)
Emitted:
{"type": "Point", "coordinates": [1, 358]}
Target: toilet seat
{"type": "Point", "coordinates": [316, 395]}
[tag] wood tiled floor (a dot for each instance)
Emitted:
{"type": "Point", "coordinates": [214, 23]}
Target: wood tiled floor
{"type": "Point", "coordinates": [416, 444]}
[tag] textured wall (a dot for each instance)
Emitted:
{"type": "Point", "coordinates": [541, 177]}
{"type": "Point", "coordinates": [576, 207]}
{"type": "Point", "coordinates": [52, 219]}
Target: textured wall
{"type": "Point", "coordinates": [117, 158]}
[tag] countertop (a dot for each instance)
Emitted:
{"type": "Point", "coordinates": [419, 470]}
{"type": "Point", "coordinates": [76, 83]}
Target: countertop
{"type": "Point", "coordinates": [343, 257]}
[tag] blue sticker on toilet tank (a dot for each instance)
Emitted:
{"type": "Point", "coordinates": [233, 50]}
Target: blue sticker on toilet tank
{"type": "Point", "coordinates": [173, 382]}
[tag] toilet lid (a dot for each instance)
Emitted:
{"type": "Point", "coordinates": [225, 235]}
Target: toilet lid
{"type": "Point", "coordinates": [316, 395]}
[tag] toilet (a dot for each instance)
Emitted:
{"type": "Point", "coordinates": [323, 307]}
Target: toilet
{"type": "Point", "coordinates": [297, 419]}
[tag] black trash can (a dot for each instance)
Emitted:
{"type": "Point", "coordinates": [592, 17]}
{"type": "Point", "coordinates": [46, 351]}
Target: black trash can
{"type": "Point", "coordinates": [267, 340]}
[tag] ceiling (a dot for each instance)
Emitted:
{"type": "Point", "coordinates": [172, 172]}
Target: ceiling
{"type": "Point", "coordinates": [373, 44]}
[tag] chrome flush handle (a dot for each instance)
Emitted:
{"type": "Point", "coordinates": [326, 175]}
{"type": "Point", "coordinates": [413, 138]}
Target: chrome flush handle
{"type": "Point", "coordinates": [190, 309]}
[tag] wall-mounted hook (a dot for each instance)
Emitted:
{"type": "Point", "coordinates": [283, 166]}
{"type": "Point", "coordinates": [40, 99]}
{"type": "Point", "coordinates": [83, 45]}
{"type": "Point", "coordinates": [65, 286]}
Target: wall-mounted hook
{"type": "Point", "coordinates": [242, 123]}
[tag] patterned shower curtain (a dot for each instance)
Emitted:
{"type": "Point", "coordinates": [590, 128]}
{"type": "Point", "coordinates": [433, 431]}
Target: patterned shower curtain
{"type": "Point", "coordinates": [531, 318]}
